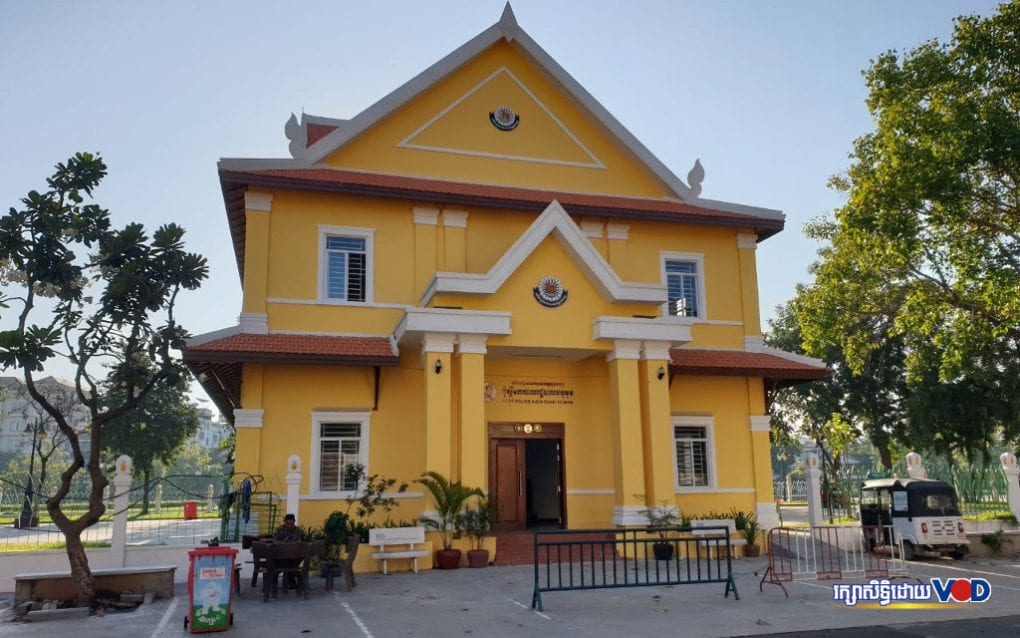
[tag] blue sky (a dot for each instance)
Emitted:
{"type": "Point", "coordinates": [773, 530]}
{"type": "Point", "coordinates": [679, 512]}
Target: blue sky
{"type": "Point", "coordinates": [769, 95]}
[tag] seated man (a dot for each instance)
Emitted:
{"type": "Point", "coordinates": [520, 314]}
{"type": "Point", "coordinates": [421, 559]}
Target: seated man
{"type": "Point", "coordinates": [288, 532]}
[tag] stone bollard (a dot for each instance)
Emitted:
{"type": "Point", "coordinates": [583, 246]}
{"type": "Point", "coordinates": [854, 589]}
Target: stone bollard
{"type": "Point", "coordinates": [814, 488]}
{"type": "Point", "coordinates": [1012, 472]}
{"type": "Point", "coordinates": [293, 480]}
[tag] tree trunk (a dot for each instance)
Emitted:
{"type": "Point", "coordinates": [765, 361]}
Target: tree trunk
{"type": "Point", "coordinates": [80, 572]}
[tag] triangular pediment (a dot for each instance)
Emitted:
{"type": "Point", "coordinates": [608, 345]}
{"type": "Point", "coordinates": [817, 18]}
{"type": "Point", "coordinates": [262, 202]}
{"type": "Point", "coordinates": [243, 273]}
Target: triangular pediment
{"type": "Point", "coordinates": [457, 129]}
{"type": "Point", "coordinates": [606, 148]}
{"type": "Point", "coordinates": [555, 222]}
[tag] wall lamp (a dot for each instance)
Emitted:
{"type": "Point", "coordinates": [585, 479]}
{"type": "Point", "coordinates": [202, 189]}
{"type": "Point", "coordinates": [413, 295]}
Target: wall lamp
{"type": "Point", "coordinates": [661, 373]}
{"type": "Point", "coordinates": [438, 367]}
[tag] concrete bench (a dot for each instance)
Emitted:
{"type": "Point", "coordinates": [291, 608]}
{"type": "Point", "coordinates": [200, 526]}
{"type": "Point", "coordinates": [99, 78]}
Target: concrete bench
{"type": "Point", "coordinates": [697, 529]}
{"type": "Point", "coordinates": [384, 537]}
{"type": "Point", "coordinates": [60, 586]}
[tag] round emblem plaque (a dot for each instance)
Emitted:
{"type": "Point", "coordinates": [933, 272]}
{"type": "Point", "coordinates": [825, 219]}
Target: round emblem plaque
{"type": "Point", "coordinates": [550, 292]}
{"type": "Point", "coordinates": [504, 118]}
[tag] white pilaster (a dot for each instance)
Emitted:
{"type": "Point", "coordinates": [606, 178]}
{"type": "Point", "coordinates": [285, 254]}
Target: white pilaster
{"type": "Point", "coordinates": [814, 488]}
{"type": "Point", "coordinates": [293, 480]}
{"type": "Point", "coordinates": [427, 216]}
{"type": "Point", "coordinates": [625, 349]}
{"type": "Point", "coordinates": [253, 323]}
{"type": "Point", "coordinates": [1012, 471]}
{"type": "Point", "coordinates": [617, 231]}
{"type": "Point", "coordinates": [122, 493]}
{"type": "Point", "coordinates": [915, 466]}
{"type": "Point", "coordinates": [258, 201]}
{"type": "Point", "coordinates": [248, 418]}
{"type": "Point", "coordinates": [455, 218]}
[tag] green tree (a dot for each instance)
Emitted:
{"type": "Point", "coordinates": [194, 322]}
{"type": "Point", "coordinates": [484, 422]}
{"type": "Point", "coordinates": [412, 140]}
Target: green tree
{"type": "Point", "coordinates": [111, 295]}
{"type": "Point", "coordinates": [928, 241]}
{"type": "Point", "coordinates": [155, 430]}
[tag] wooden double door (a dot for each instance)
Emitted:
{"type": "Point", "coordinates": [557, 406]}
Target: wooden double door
{"type": "Point", "coordinates": [526, 475]}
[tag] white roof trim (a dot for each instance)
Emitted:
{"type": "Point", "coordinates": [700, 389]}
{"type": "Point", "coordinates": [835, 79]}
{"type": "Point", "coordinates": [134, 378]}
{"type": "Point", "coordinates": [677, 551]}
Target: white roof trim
{"type": "Point", "coordinates": [553, 220]}
{"type": "Point", "coordinates": [418, 321]}
{"type": "Point", "coordinates": [508, 29]}
{"type": "Point", "coordinates": [206, 337]}
{"type": "Point", "coordinates": [797, 358]}
{"type": "Point", "coordinates": [261, 164]}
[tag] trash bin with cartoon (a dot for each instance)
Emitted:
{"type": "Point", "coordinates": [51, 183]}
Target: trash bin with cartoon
{"type": "Point", "coordinates": [210, 582]}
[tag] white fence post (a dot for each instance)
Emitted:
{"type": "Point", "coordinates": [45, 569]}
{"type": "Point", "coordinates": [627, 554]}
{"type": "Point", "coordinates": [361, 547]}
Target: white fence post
{"type": "Point", "coordinates": [814, 488]}
{"type": "Point", "coordinates": [915, 466]}
{"type": "Point", "coordinates": [293, 479]}
{"type": "Point", "coordinates": [159, 498]}
{"type": "Point", "coordinates": [1010, 469]}
{"type": "Point", "coordinates": [209, 491]}
{"type": "Point", "coordinates": [121, 497]}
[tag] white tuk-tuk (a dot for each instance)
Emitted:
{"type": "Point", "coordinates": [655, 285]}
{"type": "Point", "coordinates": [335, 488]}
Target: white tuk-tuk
{"type": "Point", "coordinates": [925, 514]}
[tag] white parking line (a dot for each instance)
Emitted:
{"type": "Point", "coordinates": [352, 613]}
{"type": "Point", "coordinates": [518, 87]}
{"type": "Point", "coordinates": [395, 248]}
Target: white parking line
{"type": "Point", "coordinates": [971, 571]}
{"type": "Point", "coordinates": [357, 621]}
{"type": "Point", "coordinates": [166, 616]}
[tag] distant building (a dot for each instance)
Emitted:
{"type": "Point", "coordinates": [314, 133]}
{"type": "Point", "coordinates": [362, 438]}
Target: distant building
{"type": "Point", "coordinates": [22, 419]}
{"type": "Point", "coordinates": [210, 432]}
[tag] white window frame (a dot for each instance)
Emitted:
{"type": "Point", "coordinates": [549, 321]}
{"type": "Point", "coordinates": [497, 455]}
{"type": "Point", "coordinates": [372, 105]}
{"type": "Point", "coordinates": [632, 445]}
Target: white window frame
{"type": "Point", "coordinates": [699, 261]}
{"type": "Point", "coordinates": [336, 416]}
{"type": "Point", "coordinates": [707, 422]}
{"type": "Point", "coordinates": [368, 234]}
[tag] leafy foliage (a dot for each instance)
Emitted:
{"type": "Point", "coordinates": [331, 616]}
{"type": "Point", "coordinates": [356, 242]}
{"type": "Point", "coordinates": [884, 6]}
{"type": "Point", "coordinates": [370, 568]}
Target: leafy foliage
{"type": "Point", "coordinates": [111, 298]}
{"type": "Point", "coordinates": [926, 249]}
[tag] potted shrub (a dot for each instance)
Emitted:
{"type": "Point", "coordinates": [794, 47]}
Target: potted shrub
{"type": "Point", "coordinates": [476, 523]}
{"type": "Point", "coordinates": [340, 525]}
{"type": "Point", "coordinates": [662, 518]}
{"type": "Point", "coordinates": [747, 524]}
{"type": "Point", "coordinates": [450, 498]}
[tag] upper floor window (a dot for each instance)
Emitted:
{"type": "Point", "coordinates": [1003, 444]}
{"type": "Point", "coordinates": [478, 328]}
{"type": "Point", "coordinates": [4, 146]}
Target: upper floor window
{"type": "Point", "coordinates": [684, 277]}
{"type": "Point", "coordinates": [345, 264]}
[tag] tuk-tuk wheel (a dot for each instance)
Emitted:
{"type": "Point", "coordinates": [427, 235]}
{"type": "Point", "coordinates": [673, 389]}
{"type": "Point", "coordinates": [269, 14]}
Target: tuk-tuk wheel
{"type": "Point", "coordinates": [957, 554]}
{"type": "Point", "coordinates": [909, 553]}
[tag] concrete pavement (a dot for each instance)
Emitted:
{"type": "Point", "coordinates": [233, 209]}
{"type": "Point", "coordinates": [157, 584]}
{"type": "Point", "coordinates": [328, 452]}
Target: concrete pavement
{"type": "Point", "coordinates": [496, 602]}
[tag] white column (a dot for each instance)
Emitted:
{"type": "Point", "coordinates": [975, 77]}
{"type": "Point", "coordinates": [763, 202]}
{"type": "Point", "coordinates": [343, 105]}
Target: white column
{"type": "Point", "coordinates": [814, 488]}
{"type": "Point", "coordinates": [159, 498]}
{"type": "Point", "coordinates": [293, 480]}
{"type": "Point", "coordinates": [1010, 469]}
{"type": "Point", "coordinates": [122, 492]}
{"type": "Point", "coordinates": [915, 466]}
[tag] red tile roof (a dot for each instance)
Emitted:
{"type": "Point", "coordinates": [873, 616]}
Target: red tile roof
{"type": "Point", "coordinates": [318, 131]}
{"type": "Point", "coordinates": [740, 363]}
{"type": "Point", "coordinates": [296, 347]}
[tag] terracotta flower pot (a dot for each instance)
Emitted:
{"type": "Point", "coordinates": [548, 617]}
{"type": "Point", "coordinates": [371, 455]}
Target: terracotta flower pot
{"type": "Point", "coordinates": [752, 551]}
{"type": "Point", "coordinates": [478, 557]}
{"type": "Point", "coordinates": [447, 558]}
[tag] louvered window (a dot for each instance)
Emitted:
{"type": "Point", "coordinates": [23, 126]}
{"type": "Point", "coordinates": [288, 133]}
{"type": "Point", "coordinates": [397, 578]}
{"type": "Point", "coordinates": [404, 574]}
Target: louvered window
{"type": "Point", "coordinates": [339, 452]}
{"type": "Point", "coordinates": [691, 456]}
{"type": "Point", "coordinates": [346, 268]}
{"type": "Point", "coordinates": [682, 287]}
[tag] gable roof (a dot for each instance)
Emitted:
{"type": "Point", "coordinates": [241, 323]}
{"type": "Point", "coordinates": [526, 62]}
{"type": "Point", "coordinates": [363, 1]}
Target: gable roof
{"type": "Point", "coordinates": [553, 221]}
{"type": "Point", "coordinates": [315, 137]}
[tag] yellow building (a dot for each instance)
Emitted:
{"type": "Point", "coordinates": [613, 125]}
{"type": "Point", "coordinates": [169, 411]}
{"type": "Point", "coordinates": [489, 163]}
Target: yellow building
{"type": "Point", "coordinates": [484, 274]}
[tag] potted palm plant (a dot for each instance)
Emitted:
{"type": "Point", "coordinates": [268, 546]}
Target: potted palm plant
{"type": "Point", "coordinates": [749, 528]}
{"type": "Point", "coordinates": [450, 498]}
{"type": "Point", "coordinates": [662, 518]}
{"type": "Point", "coordinates": [476, 522]}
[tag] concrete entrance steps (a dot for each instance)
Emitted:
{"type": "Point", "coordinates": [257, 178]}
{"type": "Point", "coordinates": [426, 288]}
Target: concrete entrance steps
{"type": "Point", "coordinates": [518, 547]}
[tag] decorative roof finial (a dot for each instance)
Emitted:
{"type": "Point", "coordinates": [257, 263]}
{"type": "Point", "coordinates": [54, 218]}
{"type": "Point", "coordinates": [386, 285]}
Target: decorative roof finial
{"type": "Point", "coordinates": [695, 177]}
{"type": "Point", "coordinates": [508, 23]}
{"type": "Point", "coordinates": [298, 136]}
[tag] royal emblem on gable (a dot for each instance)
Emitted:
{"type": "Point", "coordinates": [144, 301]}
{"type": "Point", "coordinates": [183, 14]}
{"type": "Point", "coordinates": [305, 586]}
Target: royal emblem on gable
{"type": "Point", "coordinates": [504, 118]}
{"type": "Point", "coordinates": [550, 292]}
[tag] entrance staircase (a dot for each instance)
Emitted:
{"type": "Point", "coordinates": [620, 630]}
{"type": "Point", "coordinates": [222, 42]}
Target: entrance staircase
{"type": "Point", "coordinates": [518, 547]}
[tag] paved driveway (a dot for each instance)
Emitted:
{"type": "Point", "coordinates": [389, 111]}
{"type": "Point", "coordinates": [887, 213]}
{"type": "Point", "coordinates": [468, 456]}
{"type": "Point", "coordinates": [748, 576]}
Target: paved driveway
{"type": "Point", "coordinates": [496, 602]}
